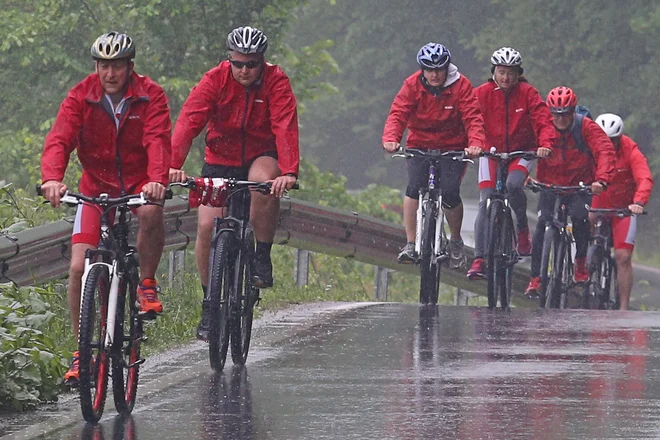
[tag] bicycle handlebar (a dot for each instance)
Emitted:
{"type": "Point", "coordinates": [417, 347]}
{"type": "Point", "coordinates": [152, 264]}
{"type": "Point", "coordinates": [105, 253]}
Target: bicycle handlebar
{"type": "Point", "coordinates": [263, 187]}
{"type": "Point", "coordinates": [535, 186]}
{"type": "Point", "coordinates": [104, 200]}
{"type": "Point", "coordinates": [458, 155]}
{"type": "Point", "coordinates": [616, 212]}
{"type": "Point", "coordinates": [508, 156]}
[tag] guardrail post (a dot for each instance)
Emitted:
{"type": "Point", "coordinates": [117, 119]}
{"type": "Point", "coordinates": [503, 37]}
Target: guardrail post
{"type": "Point", "coordinates": [460, 298]}
{"type": "Point", "coordinates": [176, 266]}
{"type": "Point", "coordinates": [301, 267]}
{"type": "Point", "coordinates": [381, 278]}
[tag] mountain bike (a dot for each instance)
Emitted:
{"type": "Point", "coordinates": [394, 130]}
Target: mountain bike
{"type": "Point", "coordinates": [431, 242]}
{"type": "Point", "coordinates": [557, 258]}
{"type": "Point", "coordinates": [602, 291]}
{"type": "Point", "coordinates": [232, 296]}
{"type": "Point", "coordinates": [502, 254]}
{"type": "Point", "coordinates": [111, 326]}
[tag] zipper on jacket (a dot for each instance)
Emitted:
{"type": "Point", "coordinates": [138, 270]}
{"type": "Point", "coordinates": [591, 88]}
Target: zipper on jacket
{"type": "Point", "coordinates": [506, 121]}
{"type": "Point", "coordinates": [244, 135]}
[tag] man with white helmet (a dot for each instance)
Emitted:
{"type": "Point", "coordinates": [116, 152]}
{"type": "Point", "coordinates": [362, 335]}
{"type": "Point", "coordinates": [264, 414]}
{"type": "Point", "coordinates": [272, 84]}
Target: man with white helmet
{"type": "Point", "coordinates": [630, 188]}
{"type": "Point", "coordinates": [250, 110]}
{"type": "Point", "coordinates": [119, 122]}
{"type": "Point", "coordinates": [515, 119]}
{"type": "Point", "coordinates": [439, 109]}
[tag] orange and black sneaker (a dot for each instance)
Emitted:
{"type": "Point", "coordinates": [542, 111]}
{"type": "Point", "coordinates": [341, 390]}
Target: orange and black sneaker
{"type": "Point", "coordinates": [150, 306]}
{"type": "Point", "coordinates": [72, 376]}
{"type": "Point", "coordinates": [533, 288]}
{"type": "Point", "coordinates": [581, 274]}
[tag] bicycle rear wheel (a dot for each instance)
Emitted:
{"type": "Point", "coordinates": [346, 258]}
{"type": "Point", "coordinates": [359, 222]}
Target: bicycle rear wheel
{"type": "Point", "coordinates": [94, 359]}
{"type": "Point", "coordinates": [494, 264]}
{"type": "Point", "coordinates": [429, 266]}
{"type": "Point", "coordinates": [246, 296]}
{"type": "Point", "coordinates": [220, 290]}
{"type": "Point", "coordinates": [128, 338]}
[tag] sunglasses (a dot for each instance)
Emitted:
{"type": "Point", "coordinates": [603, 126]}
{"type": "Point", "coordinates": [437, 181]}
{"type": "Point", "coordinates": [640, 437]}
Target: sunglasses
{"type": "Point", "coordinates": [249, 64]}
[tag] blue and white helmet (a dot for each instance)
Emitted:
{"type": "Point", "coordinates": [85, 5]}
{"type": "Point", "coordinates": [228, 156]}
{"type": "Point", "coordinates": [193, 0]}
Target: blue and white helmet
{"type": "Point", "coordinates": [433, 56]}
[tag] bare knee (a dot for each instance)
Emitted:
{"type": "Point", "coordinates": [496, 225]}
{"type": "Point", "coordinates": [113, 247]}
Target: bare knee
{"type": "Point", "coordinates": [623, 257]}
{"type": "Point", "coordinates": [264, 168]}
{"type": "Point", "coordinates": [150, 217]}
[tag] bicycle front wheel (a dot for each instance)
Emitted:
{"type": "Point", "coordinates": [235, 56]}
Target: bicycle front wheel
{"type": "Point", "coordinates": [128, 339]}
{"type": "Point", "coordinates": [593, 292]}
{"type": "Point", "coordinates": [428, 263]}
{"type": "Point", "coordinates": [554, 287]}
{"type": "Point", "coordinates": [94, 359]}
{"type": "Point", "coordinates": [494, 270]}
{"type": "Point", "coordinates": [220, 290]}
{"type": "Point", "coordinates": [547, 262]}
{"type": "Point", "coordinates": [246, 296]}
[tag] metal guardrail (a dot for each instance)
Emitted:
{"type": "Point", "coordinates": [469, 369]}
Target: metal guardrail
{"type": "Point", "coordinates": [41, 254]}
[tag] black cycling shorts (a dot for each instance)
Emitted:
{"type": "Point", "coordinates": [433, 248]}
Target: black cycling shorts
{"type": "Point", "coordinates": [448, 174]}
{"type": "Point", "coordinates": [229, 172]}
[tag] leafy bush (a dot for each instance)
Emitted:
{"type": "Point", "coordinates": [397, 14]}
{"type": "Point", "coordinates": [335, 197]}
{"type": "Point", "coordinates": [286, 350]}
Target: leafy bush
{"type": "Point", "coordinates": [31, 365]}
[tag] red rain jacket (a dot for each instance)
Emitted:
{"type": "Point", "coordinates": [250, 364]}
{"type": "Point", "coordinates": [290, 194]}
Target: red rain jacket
{"type": "Point", "coordinates": [515, 121]}
{"type": "Point", "coordinates": [243, 123]}
{"type": "Point", "coordinates": [568, 166]}
{"type": "Point", "coordinates": [449, 121]}
{"type": "Point", "coordinates": [141, 145]}
{"type": "Point", "coordinates": [632, 180]}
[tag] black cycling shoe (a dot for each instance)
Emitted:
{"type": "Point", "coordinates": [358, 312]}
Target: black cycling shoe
{"type": "Point", "coordinates": [262, 272]}
{"type": "Point", "coordinates": [205, 322]}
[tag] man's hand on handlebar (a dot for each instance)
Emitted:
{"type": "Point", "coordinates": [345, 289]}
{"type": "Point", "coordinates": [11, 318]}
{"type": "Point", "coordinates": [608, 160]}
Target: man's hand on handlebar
{"type": "Point", "coordinates": [597, 188]}
{"type": "Point", "coordinates": [177, 176]}
{"type": "Point", "coordinates": [281, 184]}
{"type": "Point", "coordinates": [473, 151]}
{"type": "Point", "coordinates": [154, 191]}
{"type": "Point", "coordinates": [52, 190]}
{"type": "Point", "coordinates": [543, 152]}
{"type": "Point", "coordinates": [391, 147]}
{"type": "Point", "coordinates": [636, 209]}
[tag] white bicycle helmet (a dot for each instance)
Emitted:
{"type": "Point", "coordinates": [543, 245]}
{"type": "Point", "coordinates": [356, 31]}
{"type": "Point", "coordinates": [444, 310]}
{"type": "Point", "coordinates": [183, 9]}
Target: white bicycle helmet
{"type": "Point", "coordinates": [247, 40]}
{"type": "Point", "coordinates": [113, 46]}
{"type": "Point", "coordinates": [506, 56]}
{"type": "Point", "coordinates": [611, 124]}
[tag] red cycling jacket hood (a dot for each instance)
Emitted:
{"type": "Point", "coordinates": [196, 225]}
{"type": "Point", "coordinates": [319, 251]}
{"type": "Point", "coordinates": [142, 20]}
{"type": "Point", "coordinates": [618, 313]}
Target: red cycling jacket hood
{"type": "Point", "coordinates": [633, 180]}
{"type": "Point", "coordinates": [447, 120]}
{"type": "Point", "coordinates": [568, 166]}
{"type": "Point", "coordinates": [136, 152]}
{"type": "Point", "coordinates": [243, 123]}
{"type": "Point", "coordinates": [517, 120]}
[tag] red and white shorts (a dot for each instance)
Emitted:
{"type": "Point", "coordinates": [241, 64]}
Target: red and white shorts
{"type": "Point", "coordinates": [488, 170]}
{"type": "Point", "coordinates": [624, 229]}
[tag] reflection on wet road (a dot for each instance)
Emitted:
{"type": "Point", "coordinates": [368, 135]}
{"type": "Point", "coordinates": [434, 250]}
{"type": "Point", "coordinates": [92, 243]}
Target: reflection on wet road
{"type": "Point", "coordinates": [396, 371]}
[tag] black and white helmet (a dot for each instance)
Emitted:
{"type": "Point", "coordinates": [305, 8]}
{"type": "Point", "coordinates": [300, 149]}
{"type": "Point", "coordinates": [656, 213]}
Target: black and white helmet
{"type": "Point", "coordinates": [113, 46]}
{"type": "Point", "coordinates": [611, 124]}
{"type": "Point", "coordinates": [246, 39]}
{"type": "Point", "coordinates": [506, 56]}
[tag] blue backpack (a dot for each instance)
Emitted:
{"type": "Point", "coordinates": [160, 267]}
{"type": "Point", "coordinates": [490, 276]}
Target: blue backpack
{"type": "Point", "coordinates": [576, 130]}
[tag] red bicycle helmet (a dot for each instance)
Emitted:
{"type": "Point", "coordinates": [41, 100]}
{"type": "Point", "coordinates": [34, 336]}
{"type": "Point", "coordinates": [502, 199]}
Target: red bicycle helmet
{"type": "Point", "coordinates": [561, 100]}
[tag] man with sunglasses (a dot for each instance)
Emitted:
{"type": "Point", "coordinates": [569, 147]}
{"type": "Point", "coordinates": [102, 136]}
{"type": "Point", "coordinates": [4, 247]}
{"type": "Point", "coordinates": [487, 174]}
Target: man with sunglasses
{"type": "Point", "coordinates": [582, 152]}
{"type": "Point", "coordinates": [250, 110]}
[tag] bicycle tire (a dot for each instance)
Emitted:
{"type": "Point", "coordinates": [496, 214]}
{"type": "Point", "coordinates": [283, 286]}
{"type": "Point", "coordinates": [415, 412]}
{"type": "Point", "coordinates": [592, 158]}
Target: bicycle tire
{"type": "Point", "coordinates": [493, 271]}
{"type": "Point", "coordinates": [220, 286]}
{"type": "Point", "coordinates": [509, 256]}
{"type": "Point", "coordinates": [129, 332]}
{"type": "Point", "coordinates": [553, 294]}
{"type": "Point", "coordinates": [614, 284]}
{"type": "Point", "coordinates": [549, 242]}
{"type": "Point", "coordinates": [566, 279]}
{"type": "Point", "coordinates": [428, 284]}
{"type": "Point", "coordinates": [592, 292]}
{"type": "Point", "coordinates": [94, 360]}
{"type": "Point", "coordinates": [246, 296]}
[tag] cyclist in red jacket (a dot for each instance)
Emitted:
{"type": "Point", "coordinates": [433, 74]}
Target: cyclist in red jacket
{"type": "Point", "coordinates": [250, 111]}
{"type": "Point", "coordinates": [516, 119]}
{"type": "Point", "coordinates": [630, 188]}
{"type": "Point", "coordinates": [581, 153]}
{"type": "Point", "coordinates": [440, 111]}
{"type": "Point", "coordinates": [119, 122]}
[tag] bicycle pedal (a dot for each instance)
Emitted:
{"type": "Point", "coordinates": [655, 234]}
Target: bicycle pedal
{"type": "Point", "coordinates": [135, 364]}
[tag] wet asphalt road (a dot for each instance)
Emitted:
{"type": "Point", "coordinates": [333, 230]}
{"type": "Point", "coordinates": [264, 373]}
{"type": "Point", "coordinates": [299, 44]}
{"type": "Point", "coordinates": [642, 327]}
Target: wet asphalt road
{"type": "Point", "coordinates": [394, 371]}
